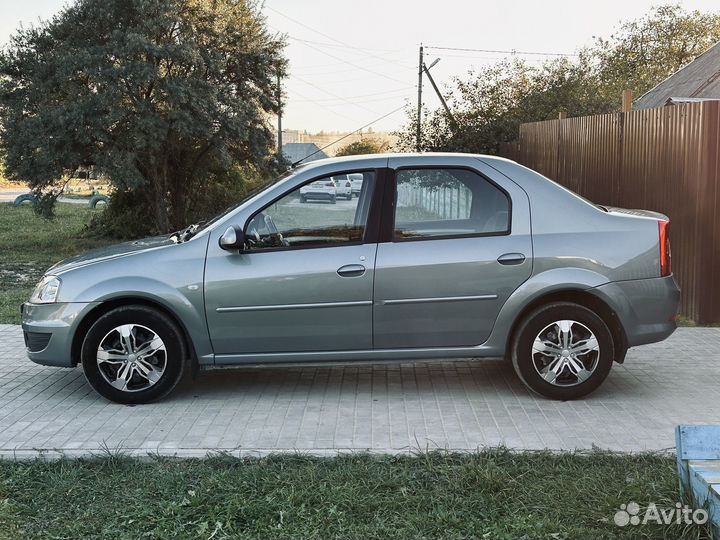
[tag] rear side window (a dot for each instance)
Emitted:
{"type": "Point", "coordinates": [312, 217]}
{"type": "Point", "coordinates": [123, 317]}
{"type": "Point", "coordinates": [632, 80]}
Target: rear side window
{"type": "Point", "coordinates": [448, 203]}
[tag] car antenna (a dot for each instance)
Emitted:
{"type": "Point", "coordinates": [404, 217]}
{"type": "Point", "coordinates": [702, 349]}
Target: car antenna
{"type": "Point", "coordinates": [298, 162]}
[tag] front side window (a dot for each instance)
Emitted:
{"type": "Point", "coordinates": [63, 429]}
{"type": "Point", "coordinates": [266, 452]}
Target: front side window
{"type": "Point", "coordinates": [323, 212]}
{"type": "Point", "coordinates": [448, 202]}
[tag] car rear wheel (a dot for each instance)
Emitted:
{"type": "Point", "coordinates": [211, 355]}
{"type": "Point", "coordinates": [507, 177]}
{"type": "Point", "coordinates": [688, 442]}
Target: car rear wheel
{"type": "Point", "coordinates": [133, 354]}
{"type": "Point", "coordinates": [562, 351]}
{"type": "Point", "coordinates": [333, 199]}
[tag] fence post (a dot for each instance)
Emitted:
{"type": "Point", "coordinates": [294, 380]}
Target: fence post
{"type": "Point", "coordinates": [562, 115]}
{"type": "Point", "coordinates": [627, 98]}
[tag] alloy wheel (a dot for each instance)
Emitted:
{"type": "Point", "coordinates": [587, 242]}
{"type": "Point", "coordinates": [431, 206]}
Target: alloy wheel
{"type": "Point", "coordinates": [131, 357]}
{"type": "Point", "coordinates": [565, 353]}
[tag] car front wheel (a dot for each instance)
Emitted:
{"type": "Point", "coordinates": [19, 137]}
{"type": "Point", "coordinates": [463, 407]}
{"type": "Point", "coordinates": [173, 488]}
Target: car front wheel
{"type": "Point", "coordinates": [562, 351]}
{"type": "Point", "coordinates": [133, 354]}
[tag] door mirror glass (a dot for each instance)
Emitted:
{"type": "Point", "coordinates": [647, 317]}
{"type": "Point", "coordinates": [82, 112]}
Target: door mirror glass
{"type": "Point", "coordinates": [232, 239]}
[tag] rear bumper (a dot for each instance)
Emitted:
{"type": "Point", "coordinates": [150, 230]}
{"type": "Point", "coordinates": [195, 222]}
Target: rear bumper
{"type": "Point", "coordinates": [49, 330]}
{"type": "Point", "coordinates": [319, 195]}
{"type": "Point", "coordinates": [647, 308]}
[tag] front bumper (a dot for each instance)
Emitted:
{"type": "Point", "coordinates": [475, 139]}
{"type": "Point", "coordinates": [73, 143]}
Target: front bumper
{"type": "Point", "coordinates": [647, 308]}
{"type": "Point", "coordinates": [49, 331]}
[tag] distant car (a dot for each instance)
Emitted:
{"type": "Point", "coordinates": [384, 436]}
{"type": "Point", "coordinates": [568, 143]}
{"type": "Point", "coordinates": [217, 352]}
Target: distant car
{"type": "Point", "coordinates": [356, 183]}
{"type": "Point", "coordinates": [343, 186]}
{"type": "Point", "coordinates": [323, 190]}
{"type": "Point", "coordinates": [442, 256]}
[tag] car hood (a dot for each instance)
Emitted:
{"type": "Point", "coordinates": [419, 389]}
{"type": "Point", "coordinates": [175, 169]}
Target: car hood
{"type": "Point", "coordinates": [110, 252]}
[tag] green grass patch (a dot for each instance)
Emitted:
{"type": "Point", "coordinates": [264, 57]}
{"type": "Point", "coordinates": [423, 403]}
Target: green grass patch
{"type": "Point", "coordinates": [490, 494]}
{"type": "Point", "coordinates": [30, 244]}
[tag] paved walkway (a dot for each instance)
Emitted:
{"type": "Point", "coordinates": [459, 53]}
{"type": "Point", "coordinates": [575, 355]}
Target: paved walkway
{"type": "Point", "coordinates": [384, 408]}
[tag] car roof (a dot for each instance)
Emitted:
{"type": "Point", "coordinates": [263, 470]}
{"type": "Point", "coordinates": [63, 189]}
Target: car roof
{"type": "Point", "coordinates": [362, 157]}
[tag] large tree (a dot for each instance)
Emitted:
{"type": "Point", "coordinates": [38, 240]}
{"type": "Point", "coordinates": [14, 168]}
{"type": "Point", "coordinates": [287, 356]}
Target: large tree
{"type": "Point", "coordinates": [161, 96]}
{"type": "Point", "coordinates": [491, 103]}
{"type": "Point", "coordinates": [644, 52]}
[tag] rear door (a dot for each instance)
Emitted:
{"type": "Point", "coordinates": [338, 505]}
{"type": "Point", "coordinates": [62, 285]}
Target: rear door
{"type": "Point", "coordinates": [456, 243]}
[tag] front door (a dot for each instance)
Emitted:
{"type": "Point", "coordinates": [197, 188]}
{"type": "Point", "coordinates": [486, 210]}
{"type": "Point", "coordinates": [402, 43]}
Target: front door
{"type": "Point", "coordinates": [460, 245]}
{"type": "Point", "coordinates": [305, 281]}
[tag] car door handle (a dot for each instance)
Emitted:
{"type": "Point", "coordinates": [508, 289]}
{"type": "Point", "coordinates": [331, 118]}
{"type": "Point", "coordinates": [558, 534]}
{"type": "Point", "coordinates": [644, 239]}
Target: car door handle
{"type": "Point", "coordinates": [351, 270]}
{"type": "Point", "coordinates": [510, 259]}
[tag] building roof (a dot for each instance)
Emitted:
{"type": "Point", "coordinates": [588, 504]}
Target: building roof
{"type": "Point", "coordinates": [295, 152]}
{"type": "Point", "coordinates": [698, 79]}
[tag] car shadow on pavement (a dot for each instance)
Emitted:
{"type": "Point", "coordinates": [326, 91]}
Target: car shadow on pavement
{"type": "Point", "coordinates": [469, 379]}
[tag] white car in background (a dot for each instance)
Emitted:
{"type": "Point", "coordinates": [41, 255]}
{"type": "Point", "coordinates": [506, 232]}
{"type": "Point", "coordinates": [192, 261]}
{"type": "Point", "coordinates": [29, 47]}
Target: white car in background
{"type": "Point", "coordinates": [343, 186]}
{"type": "Point", "coordinates": [322, 190]}
{"type": "Point", "coordinates": [356, 181]}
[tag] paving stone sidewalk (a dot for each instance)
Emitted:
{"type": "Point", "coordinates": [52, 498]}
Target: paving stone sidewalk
{"type": "Point", "coordinates": [455, 405]}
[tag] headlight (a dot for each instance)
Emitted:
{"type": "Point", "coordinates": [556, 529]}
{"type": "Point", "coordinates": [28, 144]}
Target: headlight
{"type": "Point", "coordinates": [46, 291]}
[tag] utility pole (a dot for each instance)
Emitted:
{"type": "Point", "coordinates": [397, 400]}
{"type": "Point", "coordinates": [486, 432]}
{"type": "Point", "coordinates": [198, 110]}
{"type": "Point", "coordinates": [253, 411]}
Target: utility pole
{"type": "Point", "coordinates": [439, 95]}
{"type": "Point", "coordinates": [419, 109]}
{"type": "Point", "coordinates": [279, 104]}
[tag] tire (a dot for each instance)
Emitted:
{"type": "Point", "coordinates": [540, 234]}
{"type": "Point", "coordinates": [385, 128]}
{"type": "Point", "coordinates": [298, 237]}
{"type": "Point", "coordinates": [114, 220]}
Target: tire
{"type": "Point", "coordinates": [303, 199]}
{"type": "Point", "coordinates": [333, 200]}
{"type": "Point", "coordinates": [567, 384]}
{"type": "Point", "coordinates": [25, 199]}
{"type": "Point", "coordinates": [143, 322]}
{"type": "Point", "coordinates": [97, 199]}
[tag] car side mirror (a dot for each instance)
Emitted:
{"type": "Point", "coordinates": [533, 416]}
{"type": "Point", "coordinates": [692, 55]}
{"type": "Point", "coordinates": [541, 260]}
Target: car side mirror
{"type": "Point", "coordinates": [233, 239]}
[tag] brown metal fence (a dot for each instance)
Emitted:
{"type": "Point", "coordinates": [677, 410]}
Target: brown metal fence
{"type": "Point", "coordinates": [665, 159]}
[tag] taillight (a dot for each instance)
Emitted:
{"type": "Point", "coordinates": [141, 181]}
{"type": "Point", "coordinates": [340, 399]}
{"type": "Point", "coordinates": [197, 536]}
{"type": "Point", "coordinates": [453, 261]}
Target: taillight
{"type": "Point", "coordinates": [665, 263]}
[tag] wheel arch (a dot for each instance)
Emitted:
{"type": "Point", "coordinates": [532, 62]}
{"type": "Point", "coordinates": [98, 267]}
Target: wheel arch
{"type": "Point", "coordinates": [104, 307]}
{"type": "Point", "coordinates": [586, 299]}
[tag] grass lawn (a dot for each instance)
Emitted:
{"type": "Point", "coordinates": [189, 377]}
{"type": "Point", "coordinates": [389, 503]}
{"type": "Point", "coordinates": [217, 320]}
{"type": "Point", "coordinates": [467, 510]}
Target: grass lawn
{"type": "Point", "coordinates": [491, 494]}
{"type": "Point", "coordinates": [30, 244]}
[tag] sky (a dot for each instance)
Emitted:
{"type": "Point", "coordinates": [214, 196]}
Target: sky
{"type": "Point", "coordinates": [353, 62]}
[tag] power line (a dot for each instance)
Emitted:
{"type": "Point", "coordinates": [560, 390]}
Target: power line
{"type": "Point", "coordinates": [348, 62]}
{"type": "Point", "coordinates": [491, 51]}
{"type": "Point", "coordinates": [351, 47]}
{"type": "Point", "coordinates": [396, 91]}
{"type": "Point", "coordinates": [325, 106]}
{"type": "Point", "coordinates": [342, 45]}
{"type": "Point", "coordinates": [343, 61]}
{"type": "Point", "coordinates": [486, 58]}
{"type": "Point", "coordinates": [311, 70]}
{"type": "Point", "coordinates": [348, 134]}
{"type": "Point", "coordinates": [341, 98]}
{"type": "Point", "coordinates": [331, 37]}
{"type": "Point", "coordinates": [330, 102]}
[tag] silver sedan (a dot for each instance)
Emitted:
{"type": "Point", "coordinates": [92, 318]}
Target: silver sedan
{"type": "Point", "coordinates": [440, 256]}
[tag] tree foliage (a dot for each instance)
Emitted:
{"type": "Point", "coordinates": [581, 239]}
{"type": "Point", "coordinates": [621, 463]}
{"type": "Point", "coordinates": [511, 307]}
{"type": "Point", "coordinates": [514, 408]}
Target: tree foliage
{"type": "Point", "coordinates": [489, 104]}
{"type": "Point", "coordinates": [164, 97]}
{"type": "Point", "coordinates": [644, 52]}
{"type": "Point", "coordinates": [366, 145]}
